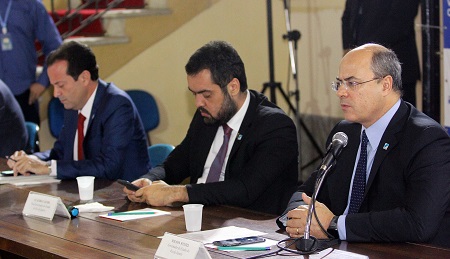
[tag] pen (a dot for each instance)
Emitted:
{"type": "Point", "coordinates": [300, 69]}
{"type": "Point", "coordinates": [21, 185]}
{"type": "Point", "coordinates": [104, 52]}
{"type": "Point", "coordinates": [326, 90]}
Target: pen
{"type": "Point", "coordinates": [236, 248]}
{"type": "Point", "coordinates": [130, 213]}
{"type": "Point", "coordinates": [7, 157]}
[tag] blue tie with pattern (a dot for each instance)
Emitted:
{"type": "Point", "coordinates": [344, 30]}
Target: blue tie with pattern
{"type": "Point", "coordinates": [359, 181]}
{"type": "Point", "coordinates": [216, 166]}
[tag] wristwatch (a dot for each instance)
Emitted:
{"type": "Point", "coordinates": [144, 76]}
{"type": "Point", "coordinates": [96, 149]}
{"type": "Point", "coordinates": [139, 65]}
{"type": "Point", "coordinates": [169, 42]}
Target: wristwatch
{"type": "Point", "coordinates": [332, 228]}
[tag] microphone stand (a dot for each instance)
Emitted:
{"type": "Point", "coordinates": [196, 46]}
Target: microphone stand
{"type": "Point", "coordinates": [310, 244]}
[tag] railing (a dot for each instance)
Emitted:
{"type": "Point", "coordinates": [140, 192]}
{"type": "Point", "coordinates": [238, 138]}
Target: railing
{"type": "Point", "coordinates": [72, 14]}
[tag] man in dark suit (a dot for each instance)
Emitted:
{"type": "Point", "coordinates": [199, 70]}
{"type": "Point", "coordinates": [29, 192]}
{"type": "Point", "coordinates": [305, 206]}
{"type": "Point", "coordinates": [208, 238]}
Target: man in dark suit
{"type": "Point", "coordinates": [102, 135]}
{"type": "Point", "coordinates": [391, 24]}
{"type": "Point", "coordinates": [260, 161]}
{"type": "Point", "coordinates": [405, 194]}
{"type": "Point", "coordinates": [13, 134]}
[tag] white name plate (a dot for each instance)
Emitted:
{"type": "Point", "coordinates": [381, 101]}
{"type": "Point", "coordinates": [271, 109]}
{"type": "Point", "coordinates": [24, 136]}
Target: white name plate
{"type": "Point", "coordinates": [44, 206]}
{"type": "Point", "coordinates": [175, 247]}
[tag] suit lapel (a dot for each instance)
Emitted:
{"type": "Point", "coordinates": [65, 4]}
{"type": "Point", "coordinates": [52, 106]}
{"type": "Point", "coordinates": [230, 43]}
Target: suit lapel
{"type": "Point", "coordinates": [388, 141]}
{"type": "Point", "coordinates": [245, 126]}
{"type": "Point", "coordinates": [201, 144]}
{"type": "Point", "coordinates": [98, 100]}
{"type": "Point", "coordinates": [340, 178]}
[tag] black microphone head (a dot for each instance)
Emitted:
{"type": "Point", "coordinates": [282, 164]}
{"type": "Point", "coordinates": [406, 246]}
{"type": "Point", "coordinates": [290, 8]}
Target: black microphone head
{"type": "Point", "coordinates": [341, 139]}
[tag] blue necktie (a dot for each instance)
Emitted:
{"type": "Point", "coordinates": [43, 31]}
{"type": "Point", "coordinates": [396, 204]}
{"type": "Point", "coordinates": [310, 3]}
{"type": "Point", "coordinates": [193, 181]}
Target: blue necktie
{"type": "Point", "coordinates": [359, 181]}
{"type": "Point", "coordinates": [216, 166]}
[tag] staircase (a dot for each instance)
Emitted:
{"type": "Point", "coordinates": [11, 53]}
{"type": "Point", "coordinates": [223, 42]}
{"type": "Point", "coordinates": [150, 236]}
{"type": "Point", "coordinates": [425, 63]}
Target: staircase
{"type": "Point", "coordinates": [100, 18]}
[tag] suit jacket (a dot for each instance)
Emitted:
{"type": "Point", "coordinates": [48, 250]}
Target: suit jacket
{"type": "Point", "coordinates": [262, 167]}
{"type": "Point", "coordinates": [115, 145]}
{"type": "Point", "coordinates": [407, 197]}
{"type": "Point", "coordinates": [13, 134]}
{"type": "Point", "coordinates": [386, 22]}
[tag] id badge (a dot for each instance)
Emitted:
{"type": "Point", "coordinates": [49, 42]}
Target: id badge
{"type": "Point", "coordinates": [6, 42]}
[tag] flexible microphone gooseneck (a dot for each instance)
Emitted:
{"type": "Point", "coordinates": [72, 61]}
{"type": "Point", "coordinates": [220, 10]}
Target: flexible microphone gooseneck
{"type": "Point", "coordinates": [309, 243]}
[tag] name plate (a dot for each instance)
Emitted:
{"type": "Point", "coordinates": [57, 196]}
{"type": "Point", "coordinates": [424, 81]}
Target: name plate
{"type": "Point", "coordinates": [44, 206]}
{"type": "Point", "coordinates": [175, 247]}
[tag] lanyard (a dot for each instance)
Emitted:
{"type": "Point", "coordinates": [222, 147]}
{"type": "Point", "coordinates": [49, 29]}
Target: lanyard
{"type": "Point", "coordinates": [3, 22]}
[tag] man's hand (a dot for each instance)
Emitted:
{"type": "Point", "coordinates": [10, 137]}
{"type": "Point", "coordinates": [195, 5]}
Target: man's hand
{"type": "Point", "coordinates": [295, 226]}
{"type": "Point", "coordinates": [36, 90]}
{"type": "Point", "coordinates": [157, 193]}
{"type": "Point", "coordinates": [24, 164]}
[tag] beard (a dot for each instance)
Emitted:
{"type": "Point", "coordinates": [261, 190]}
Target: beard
{"type": "Point", "coordinates": [226, 112]}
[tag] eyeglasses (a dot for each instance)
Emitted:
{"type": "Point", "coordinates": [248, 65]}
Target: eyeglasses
{"type": "Point", "coordinates": [350, 84]}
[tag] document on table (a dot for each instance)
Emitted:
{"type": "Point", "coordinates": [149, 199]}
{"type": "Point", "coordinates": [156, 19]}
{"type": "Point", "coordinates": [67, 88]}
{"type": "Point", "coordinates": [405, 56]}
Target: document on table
{"type": "Point", "coordinates": [209, 236]}
{"type": "Point", "coordinates": [331, 253]}
{"type": "Point", "coordinates": [28, 180]}
{"type": "Point", "coordinates": [134, 214]}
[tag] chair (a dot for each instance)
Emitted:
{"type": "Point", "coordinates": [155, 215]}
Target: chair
{"type": "Point", "coordinates": [158, 153]}
{"type": "Point", "coordinates": [147, 108]}
{"type": "Point", "coordinates": [33, 138]}
{"type": "Point", "coordinates": [55, 116]}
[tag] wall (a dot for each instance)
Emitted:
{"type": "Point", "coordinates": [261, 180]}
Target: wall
{"type": "Point", "coordinates": [160, 69]}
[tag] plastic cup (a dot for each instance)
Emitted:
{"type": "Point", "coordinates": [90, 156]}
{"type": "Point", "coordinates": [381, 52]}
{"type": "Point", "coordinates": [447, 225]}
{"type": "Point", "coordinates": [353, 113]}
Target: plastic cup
{"type": "Point", "coordinates": [86, 187]}
{"type": "Point", "coordinates": [193, 216]}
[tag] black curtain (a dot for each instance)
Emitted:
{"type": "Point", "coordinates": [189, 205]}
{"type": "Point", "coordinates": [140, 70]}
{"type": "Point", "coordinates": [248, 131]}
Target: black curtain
{"type": "Point", "coordinates": [431, 78]}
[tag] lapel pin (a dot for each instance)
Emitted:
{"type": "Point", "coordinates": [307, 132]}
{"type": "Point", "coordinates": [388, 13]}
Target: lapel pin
{"type": "Point", "coordinates": [386, 145]}
{"type": "Point", "coordinates": [239, 137]}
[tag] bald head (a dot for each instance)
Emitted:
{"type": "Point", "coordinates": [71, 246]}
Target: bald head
{"type": "Point", "coordinates": [381, 60]}
{"type": "Point", "coordinates": [370, 83]}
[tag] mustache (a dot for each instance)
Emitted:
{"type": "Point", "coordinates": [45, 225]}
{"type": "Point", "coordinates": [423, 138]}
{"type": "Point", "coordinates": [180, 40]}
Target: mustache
{"type": "Point", "coordinates": [207, 120]}
{"type": "Point", "coordinates": [201, 109]}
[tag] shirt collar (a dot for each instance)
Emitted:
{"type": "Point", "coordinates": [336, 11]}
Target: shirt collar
{"type": "Point", "coordinates": [375, 132]}
{"type": "Point", "coordinates": [87, 108]}
{"type": "Point", "coordinates": [236, 121]}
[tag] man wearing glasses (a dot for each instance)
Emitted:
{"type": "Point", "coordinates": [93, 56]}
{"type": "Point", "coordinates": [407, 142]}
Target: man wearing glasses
{"type": "Point", "coordinates": [391, 182]}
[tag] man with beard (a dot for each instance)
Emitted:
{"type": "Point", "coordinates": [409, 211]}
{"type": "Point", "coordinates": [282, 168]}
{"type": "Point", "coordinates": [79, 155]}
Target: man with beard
{"type": "Point", "coordinates": [258, 167]}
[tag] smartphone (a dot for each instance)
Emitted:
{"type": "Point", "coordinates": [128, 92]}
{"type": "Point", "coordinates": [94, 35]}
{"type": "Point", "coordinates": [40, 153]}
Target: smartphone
{"type": "Point", "coordinates": [128, 185]}
{"type": "Point", "coordinates": [239, 241]}
{"type": "Point", "coordinates": [8, 173]}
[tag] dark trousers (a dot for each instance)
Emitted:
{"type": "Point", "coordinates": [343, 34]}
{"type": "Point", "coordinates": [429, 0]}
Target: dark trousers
{"type": "Point", "coordinates": [30, 112]}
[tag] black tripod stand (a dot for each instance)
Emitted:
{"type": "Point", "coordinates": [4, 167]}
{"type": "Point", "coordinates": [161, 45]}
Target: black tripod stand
{"type": "Point", "coordinates": [292, 36]}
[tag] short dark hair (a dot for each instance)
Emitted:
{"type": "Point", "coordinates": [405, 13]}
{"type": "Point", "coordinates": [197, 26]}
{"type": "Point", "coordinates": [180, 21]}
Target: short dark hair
{"type": "Point", "coordinates": [79, 58]}
{"type": "Point", "coordinates": [222, 60]}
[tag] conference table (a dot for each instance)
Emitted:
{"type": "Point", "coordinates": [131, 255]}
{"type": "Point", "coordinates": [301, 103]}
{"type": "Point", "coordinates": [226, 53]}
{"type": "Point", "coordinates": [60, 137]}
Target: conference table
{"type": "Point", "coordinates": [90, 236]}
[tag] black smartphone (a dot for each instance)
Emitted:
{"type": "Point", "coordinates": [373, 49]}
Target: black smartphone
{"type": "Point", "coordinates": [239, 241]}
{"type": "Point", "coordinates": [8, 173]}
{"type": "Point", "coordinates": [129, 185]}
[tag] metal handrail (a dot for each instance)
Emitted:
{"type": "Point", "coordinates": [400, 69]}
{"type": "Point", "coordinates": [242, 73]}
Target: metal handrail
{"type": "Point", "coordinates": [72, 14]}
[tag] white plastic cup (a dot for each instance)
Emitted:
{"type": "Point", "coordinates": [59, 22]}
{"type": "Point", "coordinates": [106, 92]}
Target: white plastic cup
{"type": "Point", "coordinates": [86, 187]}
{"type": "Point", "coordinates": [193, 216]}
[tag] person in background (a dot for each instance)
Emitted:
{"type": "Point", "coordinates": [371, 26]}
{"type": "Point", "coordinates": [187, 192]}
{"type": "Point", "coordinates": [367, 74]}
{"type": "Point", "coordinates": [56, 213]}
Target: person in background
{"type": "Point", "coordinates": [391, 183]}
{"type": "Point", "coordinates": [102, 134]}
{"type": "Point", "coordinates": [240, 149]}
{"type": "Point", "coordinates": [391, 24]}
{"type": "Point", "coordinates": [23, 22]}
{"type": "Point", "coordinates": [13, 134]}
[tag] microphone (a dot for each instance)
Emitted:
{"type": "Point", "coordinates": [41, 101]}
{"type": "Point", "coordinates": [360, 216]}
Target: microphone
{"type": "Point", "coordinates": [338, 143]}
{"type": "Point", "coordinates": [309, 244]}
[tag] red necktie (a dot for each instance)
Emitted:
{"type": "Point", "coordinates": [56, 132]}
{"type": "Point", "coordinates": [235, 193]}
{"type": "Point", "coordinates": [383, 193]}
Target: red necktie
{"type": "Point", "coordinates": [81, 119]}
{"type": "Point", "coordinates": [216, 166]}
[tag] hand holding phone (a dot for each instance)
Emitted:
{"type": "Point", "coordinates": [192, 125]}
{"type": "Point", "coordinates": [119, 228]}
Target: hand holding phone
{"type": "Point", "coordinates": [239, 241]}
{"type": "Point", "coordinates": [128, 185]}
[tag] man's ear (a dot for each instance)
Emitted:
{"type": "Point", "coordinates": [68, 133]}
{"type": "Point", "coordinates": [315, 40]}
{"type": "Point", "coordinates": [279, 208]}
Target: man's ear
{"type": "Point", "coordinates": [234, 86]}
{"type": "Point", "coordinates": [387, 82]}
{"type": "Point", "coordinates": [85, 76]}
